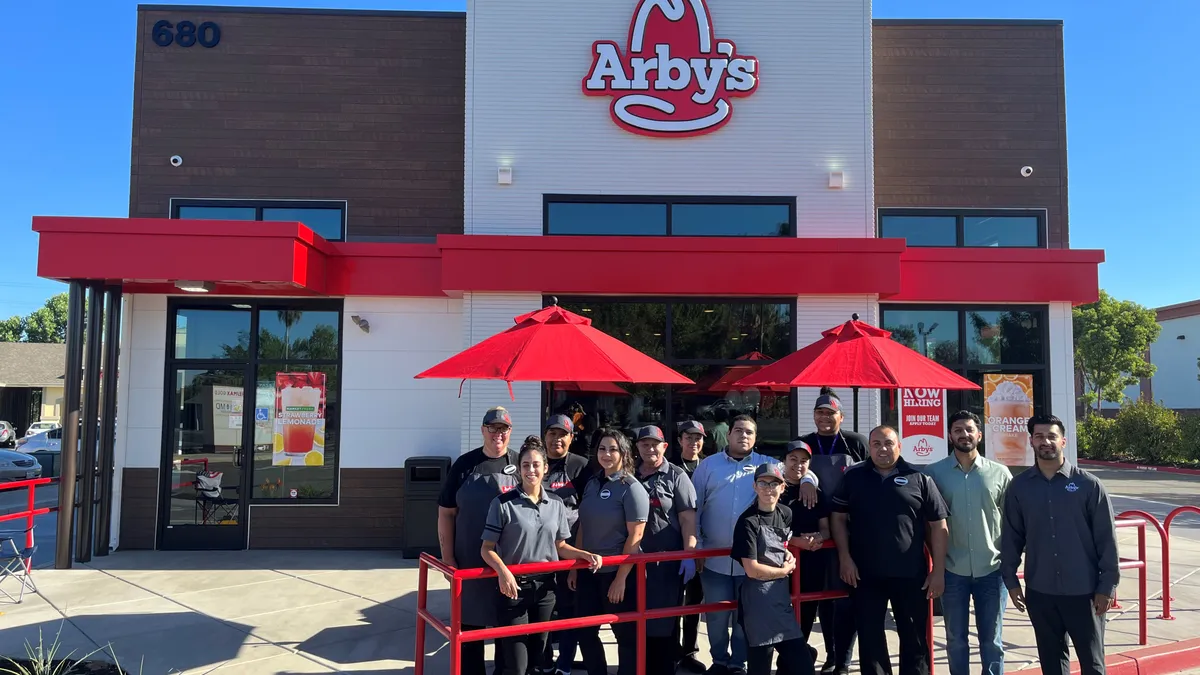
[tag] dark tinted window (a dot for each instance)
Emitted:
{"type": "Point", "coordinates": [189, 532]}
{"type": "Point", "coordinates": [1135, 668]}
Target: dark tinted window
{"type": "Point", "coordinates": [296, 334]}
{"type": "Point", "coordinates": [640, 325]}
{"type": "Point", "coordinates": [217, 212]}
{"type": "Point", "coordinates": [606, 218]}
{"type": "Point", "coordinates": [325, 222]}
{"type": "Point", "coordinates": [921, 230]}
{"type": "Point", "coordinates": [212, 334]}
{"type": "Point", "coordinates": [1004, 337]}
{"type": "Point", "coordinates": [933, 333]}
{"type": "Point", "coordinates": [730, 330]}
{"type": "Point", "coordinates": [1000, 231]}
{"type": "Point", "coordinates": [731, 220]}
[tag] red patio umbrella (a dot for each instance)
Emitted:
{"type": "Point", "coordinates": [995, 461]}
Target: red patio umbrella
{"type": "Point", "coordinates": [726, 380]}
{"type": "Point", "coordinates": [554, 345]}
{"type": "Point", "coordinates": [857, 354]}
{"type": "Point", "coordinates": [588, 388]}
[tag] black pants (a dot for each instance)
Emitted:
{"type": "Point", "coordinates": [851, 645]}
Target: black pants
{"type": "Point", "coordinates": [564, 608]}
{"type": "Point", "coordinates": [661, 654]}
{"type": "Point", "coordinates": [693, 594]}
{"type": "Point", "coordinates": [910, 608]}
{"type": "Point", "coordinates": [592, 598]}
{"type": "Point", "coordinates": [838, 625]}
{"type": "Point", "coordinates": [471, 656]}
{"type": "Point", "coordinates": [794, 658]}
{"type": "Point", "coordinates": [1054, 617]}
{"type": "Point", "coordinates": [534, 603]}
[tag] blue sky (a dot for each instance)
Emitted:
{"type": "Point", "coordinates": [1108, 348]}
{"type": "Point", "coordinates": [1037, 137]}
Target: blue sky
{"type": "Point", "coordinates": [1132, 137]}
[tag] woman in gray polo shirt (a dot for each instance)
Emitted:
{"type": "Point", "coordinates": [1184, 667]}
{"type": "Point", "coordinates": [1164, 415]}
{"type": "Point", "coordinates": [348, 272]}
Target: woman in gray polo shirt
{"type": "Point", "coordinates": [612, 519]}
{"type": "Point", "coordinates": [527, 525]}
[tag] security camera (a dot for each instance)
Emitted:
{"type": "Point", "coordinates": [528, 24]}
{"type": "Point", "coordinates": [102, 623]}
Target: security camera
{"type": "Point", "coordinates": [1026, 171]}
{"type": "Point", "coordinates": [176, 160]}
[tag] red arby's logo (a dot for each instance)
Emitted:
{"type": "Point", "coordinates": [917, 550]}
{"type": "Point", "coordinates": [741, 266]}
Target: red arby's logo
{"type": "Point", "coordinates": [923, 448]}
{"type": "Point", "coordinates": [675, 77]}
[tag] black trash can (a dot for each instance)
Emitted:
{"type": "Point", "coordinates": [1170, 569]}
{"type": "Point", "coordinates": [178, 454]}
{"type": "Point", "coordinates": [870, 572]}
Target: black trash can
{"type": "Point", "coordinates": [423, 479]}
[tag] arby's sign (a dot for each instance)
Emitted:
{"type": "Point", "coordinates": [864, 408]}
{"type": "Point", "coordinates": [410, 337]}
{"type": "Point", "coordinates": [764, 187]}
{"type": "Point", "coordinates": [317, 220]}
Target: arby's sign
{"type": "Point", "coordinates": [675, 77]}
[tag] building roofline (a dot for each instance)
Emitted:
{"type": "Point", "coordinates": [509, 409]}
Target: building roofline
{"type": "Point", "coordinates": [224, 9]}
{"type": "Point", "coordinates": [1178, 311]}
{"type": "Point", "coordinates": [967, 22]}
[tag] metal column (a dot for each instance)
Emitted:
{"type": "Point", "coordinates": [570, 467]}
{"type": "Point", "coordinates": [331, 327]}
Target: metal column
{"type": "Point", "coordinates": [72, 382]}
{"type": "Point", "coordinates": [108, 417]}
{"type": "Point", "coordinates": [91, 410]}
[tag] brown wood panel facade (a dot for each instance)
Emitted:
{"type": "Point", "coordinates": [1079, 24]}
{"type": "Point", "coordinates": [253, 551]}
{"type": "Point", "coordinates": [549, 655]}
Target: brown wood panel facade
{"type": "Point", "coordinates": [366, 107]}
{"type": "Point", "coordinates": [139, 508]}
{"type": "Point", "coordinates": [369, 514]}
{"type": "Point", "coordinates": [959, 108]}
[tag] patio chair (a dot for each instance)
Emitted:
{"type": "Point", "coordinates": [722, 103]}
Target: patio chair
{"type": "Point", "coordinates": [212, 506]}
{"type": "Point", "coordinates": [16, 563]}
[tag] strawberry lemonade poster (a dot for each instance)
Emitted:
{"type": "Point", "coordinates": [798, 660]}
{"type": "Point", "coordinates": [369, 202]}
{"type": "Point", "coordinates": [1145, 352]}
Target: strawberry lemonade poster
{"type": "Point", "coordinates": [299, 438]}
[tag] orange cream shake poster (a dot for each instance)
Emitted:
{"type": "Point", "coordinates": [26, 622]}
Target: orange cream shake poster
{"type": "Point", "coordinates": [299, 419]}
{"type": "Point", "coordinates": [1007, 407]}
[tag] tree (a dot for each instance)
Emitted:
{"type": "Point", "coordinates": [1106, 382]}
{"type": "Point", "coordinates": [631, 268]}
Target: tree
{"type": "Point", "coordinates": [46, 324]}
{"type": "Point", "coordinates": [1111, 339]}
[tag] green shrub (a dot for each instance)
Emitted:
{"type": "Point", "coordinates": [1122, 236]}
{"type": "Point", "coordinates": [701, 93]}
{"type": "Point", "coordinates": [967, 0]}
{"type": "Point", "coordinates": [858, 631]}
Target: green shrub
{"type": "Point", "coordinates": [1097, 438]}
{"type": "Point", "coordinates": [1149, 432]}
{"type": "Point", "coordinates": [1189, 429]}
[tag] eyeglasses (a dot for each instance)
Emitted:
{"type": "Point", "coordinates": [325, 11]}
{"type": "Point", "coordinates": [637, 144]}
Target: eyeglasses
{"type": "Point", "coordinates": [497, 429]}
{"type": "Point", "coordinates": [768, 484]}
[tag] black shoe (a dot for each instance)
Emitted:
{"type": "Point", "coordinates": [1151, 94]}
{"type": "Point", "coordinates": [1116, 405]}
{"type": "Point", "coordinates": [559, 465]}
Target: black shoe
{"type": "Point", "coordinates": [691, 665]}
{"type": "Point", "coordinates": [718, 669]}
{"type": "Point", "coordinates": [737, 671]}
{"type": "Point", "coordinates": [828, 668]}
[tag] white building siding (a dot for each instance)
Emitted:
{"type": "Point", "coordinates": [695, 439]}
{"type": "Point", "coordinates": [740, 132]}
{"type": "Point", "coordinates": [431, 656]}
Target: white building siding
{"type": "Point", "coordinates": [811, 114]}
{"type": "Point", "coordinates": [815, 314]}
{"type": "Point", "coordinates": [1062, 371]}
{"type": "Point", "coordinates": [139, 421]}
{"type": "Point", "coordinates": [484, 315]}
{"type": "Point", "coordinates": [387, 416]}
{"type": "Point", "coordinates": [1174, 383]}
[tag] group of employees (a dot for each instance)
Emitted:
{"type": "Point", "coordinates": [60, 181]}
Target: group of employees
{"type": "Point", "coordinates": [956, 529]}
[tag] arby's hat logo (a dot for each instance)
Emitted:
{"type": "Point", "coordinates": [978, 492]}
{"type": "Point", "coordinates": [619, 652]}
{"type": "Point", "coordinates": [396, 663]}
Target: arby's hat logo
{"type": "Point", "coordinates": [676, 78]}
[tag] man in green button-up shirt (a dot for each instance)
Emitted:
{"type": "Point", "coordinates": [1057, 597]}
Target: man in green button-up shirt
{"type": "Point", "coordinates": [974, 488]}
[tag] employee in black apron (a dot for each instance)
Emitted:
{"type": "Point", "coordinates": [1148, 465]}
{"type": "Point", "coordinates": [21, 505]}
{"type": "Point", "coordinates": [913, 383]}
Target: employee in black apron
{"type": "Point", "coordinates": [765, 612]}
{"type": "Point", "coordinates": [612, 520]}
{"type": "Point", "coordinates": [834, 450]}
{"type": "Point", "coordinates": [691, 451]}
{"type": "Point", "coordinates": [527, 525]}
{"type": "Point", "coordinates": [566, 476]}
{"type": "Point", "coordinates": [810, 531]}
{"type": "Point", "coordinates": [670, 527]}
{"type": "Point", "coordinates": [475, 479]}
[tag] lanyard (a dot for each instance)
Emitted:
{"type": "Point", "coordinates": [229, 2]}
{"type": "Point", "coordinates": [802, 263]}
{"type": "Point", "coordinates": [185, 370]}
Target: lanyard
{"type": "Point", "coordinates": [832, 446]}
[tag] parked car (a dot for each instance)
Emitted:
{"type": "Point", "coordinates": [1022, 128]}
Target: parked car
{"type": "Point", "coordinates": [50, 441]}
{"type": "Point", "coordinates": [8, 435]}
{"type": "Point", "coordinates": [40, 428]}
{"type": "Point", "coordinates": [18, 466]}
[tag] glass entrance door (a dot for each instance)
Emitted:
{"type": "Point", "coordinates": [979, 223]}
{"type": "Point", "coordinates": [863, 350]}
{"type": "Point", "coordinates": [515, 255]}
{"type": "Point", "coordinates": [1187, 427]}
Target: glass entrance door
{"type": "Point", "coordinates": [204, 464]}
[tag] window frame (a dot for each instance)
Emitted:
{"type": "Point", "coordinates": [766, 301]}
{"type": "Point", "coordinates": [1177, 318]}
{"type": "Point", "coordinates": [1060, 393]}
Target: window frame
{"type": "Point", "coordinates": [669, 201]}
{"type": "Point", "coordinates": [960, 216]}
{"type": "Point", "coordinates": [251, 366]}
{"type": "Point", "coordinates": [259, 204]}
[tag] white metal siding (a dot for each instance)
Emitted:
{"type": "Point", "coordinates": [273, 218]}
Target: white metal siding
{"type": "Point", "coordinates": [484, 315]}
{"type": "Point", "coordinates": [817, 313]}
{"type": "Point", "coordinates": [1062, 371]}
{"type": "Point", "coordinates": [387, 416]}
{"type": "Point", "coordinates": [139, 422]}
{"type": "Point", "coordinates": [1175, 384]}
{"type": "Point", "coordinates": [811, 114]}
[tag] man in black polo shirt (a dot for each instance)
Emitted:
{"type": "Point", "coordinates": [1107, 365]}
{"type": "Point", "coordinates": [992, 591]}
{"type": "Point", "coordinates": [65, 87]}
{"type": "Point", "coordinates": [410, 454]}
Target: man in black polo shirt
{"type": "Point", "coordinates": [566, 475]}
{"type": "Point", "coordinates": [882, 509]}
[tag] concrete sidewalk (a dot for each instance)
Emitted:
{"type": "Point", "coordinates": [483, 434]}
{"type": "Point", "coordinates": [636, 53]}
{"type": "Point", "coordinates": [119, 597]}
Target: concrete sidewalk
{"type": "Point", "coordinates": [354, 612]}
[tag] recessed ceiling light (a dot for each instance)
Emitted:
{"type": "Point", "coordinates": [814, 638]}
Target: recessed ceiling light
{"type": "Point", "coordinates": [709, 311]}
{"type": "Point", "coordinates": [587, 309]}
{"type": "Point", "coordinates": [195, 286]}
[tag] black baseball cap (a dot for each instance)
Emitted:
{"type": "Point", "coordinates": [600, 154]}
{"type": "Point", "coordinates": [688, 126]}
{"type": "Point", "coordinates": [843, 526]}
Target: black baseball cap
{"type": "Point", "coordinates": [691, 426]}
{"type": "Point", "coordinates": [801, 446]}
{"type": "Point", "coordinates": [650, 432]}
{"type": "Point", "coordinates": [828, 402]}
{"type": "Point", "coordinates": [770, 470]}
{"type": "Point", "coordinates": [496, 415]}
{"type": "Point", "coordinates": [560, 422]}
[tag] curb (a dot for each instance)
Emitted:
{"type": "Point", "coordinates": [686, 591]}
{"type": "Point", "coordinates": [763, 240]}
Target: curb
{"type": "Point", "coordinates": [1172, 657]}
{"type": "Point", "coordinates": [1139, 467]}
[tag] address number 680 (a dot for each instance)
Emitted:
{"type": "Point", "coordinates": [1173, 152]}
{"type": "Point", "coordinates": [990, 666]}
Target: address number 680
{"type": "Point", "coordinates": [186, 34]}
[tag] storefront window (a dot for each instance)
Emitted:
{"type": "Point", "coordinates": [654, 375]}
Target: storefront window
{"type": "Point", "coordinates": [730, 330]}
{"type": "Point", "coordinates": [326, 218]}
{"type": "Point", "coordinates": [964, 227]}
{"type": "Point", "coordinates": [920, 230]}
{"type": "Point", "coordinates": [1004, 337]}
{"type": "Point", "coordinates": [640, 325]}
{"type": "Point", "coordinates": [606, 218]}
{"type": "Point", "coordinates": [280, 471]}
{"type": "Point", "coordinates": [216, 213]}
{"type": "Point", "coordinates": [325, 222]}
{"type": "Point", "coordinates": [297, 334]}
{"type": "Point", "coordinates": [932, 333]}
{"type": "Point", "coordinates": [714, 399]}
{"type": "Point", "coordinates": [212, 333]}
{"type": "Point", "coordinates": [731, 220]}
{"type": "Point", "coordinates": [671, 216]}
{"type": "Point", "coordinates": [1011, 231]}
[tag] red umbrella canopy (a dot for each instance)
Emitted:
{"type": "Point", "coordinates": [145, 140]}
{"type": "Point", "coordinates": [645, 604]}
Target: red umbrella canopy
{"type": "Point", "coordinates": [856, 354]}
{"type": "Point", "coordinates": [726, 380]}
{"type": "Point", "coordinates": [590, 388]}
{"type": "Point", "coordinates": [554, 345]}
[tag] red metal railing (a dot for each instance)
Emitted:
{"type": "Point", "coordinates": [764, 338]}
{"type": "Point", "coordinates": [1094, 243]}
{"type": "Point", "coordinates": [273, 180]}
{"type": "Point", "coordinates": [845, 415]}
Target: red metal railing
{"type": "Point", "coordinates": [456, 636]}
{"type": "Point", "coordinates": [1166, 555]}
{"type": "Point", "coordinates": [31, 509]}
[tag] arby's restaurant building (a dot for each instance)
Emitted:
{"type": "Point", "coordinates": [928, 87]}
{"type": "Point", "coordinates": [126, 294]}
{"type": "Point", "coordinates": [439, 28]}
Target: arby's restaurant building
{"type": "Point", "coordinates": [339, 200]}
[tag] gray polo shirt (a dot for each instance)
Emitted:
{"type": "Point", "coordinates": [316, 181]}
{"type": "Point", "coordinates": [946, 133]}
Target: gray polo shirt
{"type": "Point", "coordinates": [526, 531]}
{"type": "Point", "coordinates": [670, 492]}
{"type": "Point", "coordinates": [607, 505]}
{"type": "Point", "coordinates": [1064, 526]}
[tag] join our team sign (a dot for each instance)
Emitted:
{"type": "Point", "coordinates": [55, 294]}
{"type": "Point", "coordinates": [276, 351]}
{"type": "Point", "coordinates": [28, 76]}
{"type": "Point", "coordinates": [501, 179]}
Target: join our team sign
{"type": "Point", "coordinates": [922, 425]}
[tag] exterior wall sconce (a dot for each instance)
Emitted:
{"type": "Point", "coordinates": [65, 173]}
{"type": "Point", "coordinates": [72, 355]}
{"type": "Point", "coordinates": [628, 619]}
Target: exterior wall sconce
{"type": "Point", "coordinates": [362, 323]}
{"type": "Point", "coordinates": [836, 180]}
{"type": "Point", "coordinates": [504, 175]}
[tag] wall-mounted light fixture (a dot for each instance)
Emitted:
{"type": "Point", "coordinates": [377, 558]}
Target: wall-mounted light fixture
{"type": "Point", "coordinates": [836, 180]}
{"type": "Point", "coordinates": [196, 286]}
{"type": "Point", "coordinates": [1181, 337]}
{"type": "Point", "coordinates": [504, 175]}
{"type": "Point", "coordinates": [362, 323]}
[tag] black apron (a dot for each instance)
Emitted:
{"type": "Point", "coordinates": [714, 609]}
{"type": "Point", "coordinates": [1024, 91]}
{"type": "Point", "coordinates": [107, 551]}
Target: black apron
{"type": "Point", "coordinates": [664, 586]}
{"type": "Point", "coordinates": [771, 619]}
{"type": "Point", "coordinates": [829, 470]}
{"type": "Point", "coordinates": [474, 498]}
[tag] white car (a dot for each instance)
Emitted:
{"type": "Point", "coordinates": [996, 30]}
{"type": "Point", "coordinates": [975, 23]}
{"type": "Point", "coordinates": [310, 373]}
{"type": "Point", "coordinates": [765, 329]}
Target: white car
{"type": "Point", "coordinates": [39, 428]}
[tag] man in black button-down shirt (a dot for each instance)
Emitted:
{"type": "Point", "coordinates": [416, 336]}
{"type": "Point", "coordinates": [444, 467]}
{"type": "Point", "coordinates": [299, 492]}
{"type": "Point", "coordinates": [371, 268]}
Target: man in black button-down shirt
{"type": "Point", "coordinates": [1061, 518]}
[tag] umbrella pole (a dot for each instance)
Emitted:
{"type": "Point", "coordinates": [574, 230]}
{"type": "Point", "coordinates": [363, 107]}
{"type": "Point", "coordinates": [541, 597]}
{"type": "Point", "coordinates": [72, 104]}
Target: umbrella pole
{"type": "Point", "coordinates": [549, 399]}
{"type": "Point", "coordinates": [856, 410]}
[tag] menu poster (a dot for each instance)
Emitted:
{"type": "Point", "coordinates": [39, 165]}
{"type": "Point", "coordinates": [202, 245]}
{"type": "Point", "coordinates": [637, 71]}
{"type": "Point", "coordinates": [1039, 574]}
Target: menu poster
{"type": "Point", "coordinates": [1007, 407]}
{"type": "Point", "coordinates": [922, 425]}
{"type": "Point", "coordinates": [299, 419]}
